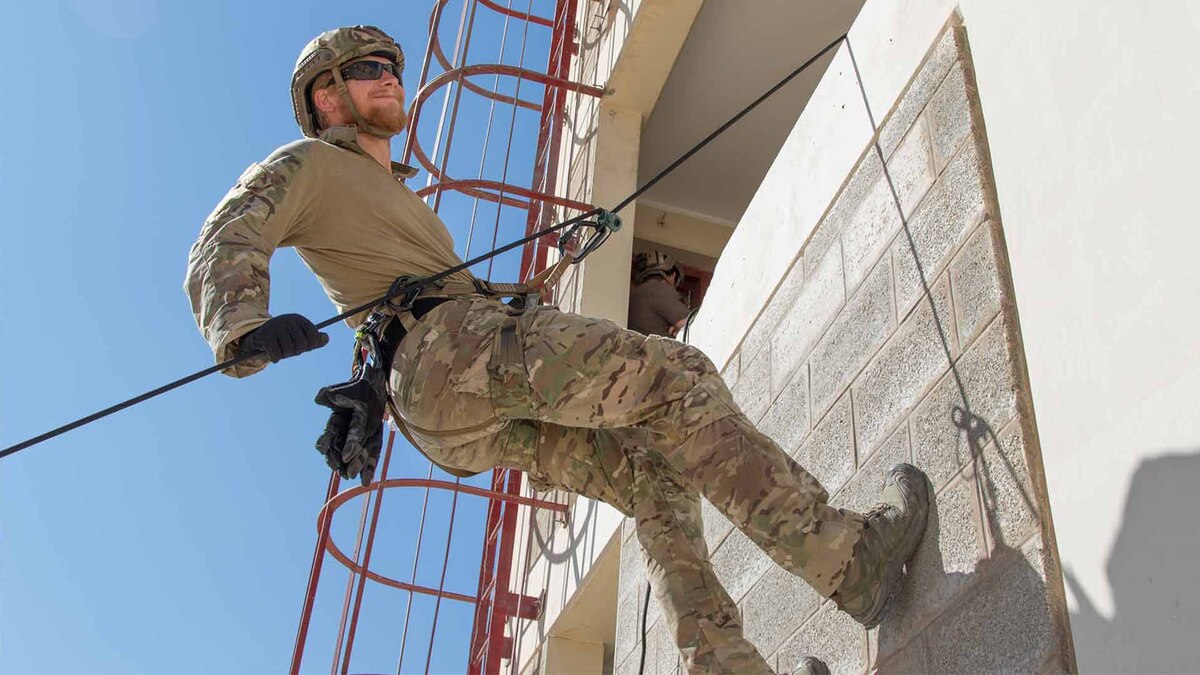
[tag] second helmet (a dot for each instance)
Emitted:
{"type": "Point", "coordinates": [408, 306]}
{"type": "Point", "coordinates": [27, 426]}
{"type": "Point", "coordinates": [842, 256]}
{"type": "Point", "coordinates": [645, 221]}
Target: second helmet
{"type": "Point", "coordinates": [654, 263]}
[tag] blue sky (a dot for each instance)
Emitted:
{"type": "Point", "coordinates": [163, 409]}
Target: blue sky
{"type": "Point", "coordinates": [176, 536]}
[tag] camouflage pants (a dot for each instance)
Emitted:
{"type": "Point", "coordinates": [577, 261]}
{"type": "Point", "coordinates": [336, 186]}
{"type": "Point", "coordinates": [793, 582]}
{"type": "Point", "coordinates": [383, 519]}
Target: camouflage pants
{"type": "Point", "coordinates": [644, 424]}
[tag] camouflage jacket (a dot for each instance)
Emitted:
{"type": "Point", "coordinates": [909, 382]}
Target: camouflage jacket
{"type": "Point", "coordinates": [355, 225]}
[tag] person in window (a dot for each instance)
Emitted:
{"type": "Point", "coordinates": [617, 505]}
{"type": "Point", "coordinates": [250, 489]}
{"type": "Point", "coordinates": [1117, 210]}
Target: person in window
{"type": "Point", "coordinates": [654, 304]}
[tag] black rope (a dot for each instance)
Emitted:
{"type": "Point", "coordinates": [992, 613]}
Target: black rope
{"type": "Point", "coordinates": [645, 610]}
{"type": "Point", "coordinates": [912, 246]}
{"type": "Point", "coordinates": [732, 120]}
{"type": "Point", "coordinates": [401, 289]}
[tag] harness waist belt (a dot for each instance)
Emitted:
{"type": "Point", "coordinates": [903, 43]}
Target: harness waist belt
{"type": "Point", "coordinates": [400, 321]}
{"type": "Point", "coordinates": [395, 331]}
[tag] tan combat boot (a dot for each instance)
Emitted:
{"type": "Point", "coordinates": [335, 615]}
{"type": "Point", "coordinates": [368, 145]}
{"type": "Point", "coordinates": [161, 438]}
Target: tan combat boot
{"type": "Point", "coordinates": [890, 535]}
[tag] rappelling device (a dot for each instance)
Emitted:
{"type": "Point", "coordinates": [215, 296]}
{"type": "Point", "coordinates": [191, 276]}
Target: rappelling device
{"type": "Point", "coordinates": [605, 223]}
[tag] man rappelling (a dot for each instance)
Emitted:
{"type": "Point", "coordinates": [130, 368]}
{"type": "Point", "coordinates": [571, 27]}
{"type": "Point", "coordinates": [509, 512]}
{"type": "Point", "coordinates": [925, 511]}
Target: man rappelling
{"type": "Point", "coordinates": [645, 424]}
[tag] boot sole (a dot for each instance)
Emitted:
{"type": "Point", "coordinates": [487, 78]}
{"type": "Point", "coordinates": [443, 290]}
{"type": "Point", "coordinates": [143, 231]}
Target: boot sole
{"type": "Point", "coordinates": [908, 545]}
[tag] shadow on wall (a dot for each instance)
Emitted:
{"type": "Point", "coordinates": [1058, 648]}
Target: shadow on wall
{"type": "Point", "coordinates": [1154, 570]}
{"type": "Point", "coordinates": [995, 617]}
{"type": "Point", "coordinates": [1000, 627]}
{"type": "Point", "coordinates": [578, 530]}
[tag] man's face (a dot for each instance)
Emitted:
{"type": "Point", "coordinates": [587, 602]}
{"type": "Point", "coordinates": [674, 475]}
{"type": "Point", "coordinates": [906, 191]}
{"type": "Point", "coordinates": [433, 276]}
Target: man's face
{"type": "Point", "coordinates": [380, 102]}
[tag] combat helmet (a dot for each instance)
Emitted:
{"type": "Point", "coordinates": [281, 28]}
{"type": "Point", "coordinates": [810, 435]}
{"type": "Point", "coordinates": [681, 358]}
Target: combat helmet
{"type": "Point", "coordinates": [655, 264]}
{"type": "Point", "coordinates": [329, 51]}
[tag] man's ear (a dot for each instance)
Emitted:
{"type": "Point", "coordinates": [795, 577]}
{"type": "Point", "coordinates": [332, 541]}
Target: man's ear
{"type": "Point", "coordinates": [325, 100]}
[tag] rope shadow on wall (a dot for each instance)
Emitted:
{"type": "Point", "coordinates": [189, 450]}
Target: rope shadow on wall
{"type": "Point", "coordinates": [1005, 587]}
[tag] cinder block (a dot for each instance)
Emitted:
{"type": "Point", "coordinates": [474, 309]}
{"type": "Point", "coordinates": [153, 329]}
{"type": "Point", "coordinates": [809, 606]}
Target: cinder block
{"type": "Point", "coordinates": [911, 167]}
{"type": "Point", "coordinates": [832, 636]}
{"type": "Point", "coordinates": [629, 666]}
{"type": "Point", "coordinates": [1005, 628]}
{"type": "Point", "coordinates": [940, 224]}
{"type": "Point", "coordinates": [716, 525]}
{"type": "Point", "coordinates": [943, 566]}
{"type": "Point", "coordinates": [800, 328]}
{"type": "Point", "coordinates": [828, 454]}
{"type": "Point", "coordinates": [652, 646]}
{"type": "Point", "coordinates": [633, 567]}
{"type": "Point", "coordinates": [628, 631]}
{"type": "Point", "coordinates": [853, 338]}
{"type": "Point", "coordinates": [779, 305]}
{"type": "Point", "coordinates": [654, 611]}
{"type": "Point", "coordinates": [776, 607]}
{"type": "Point", "coordinates": [666, 654]}
{"type": "Point", "coordinates": [739, 564]}
{"type": "Point", "coordinates": [918, 94]}
{"type": "Point", "coordinates": [949, 116]}
{"type": "Point", "coordinates": [863, 490]}
{"type": "Point", "coordinates": [975, 278]}
{"type": "Point", "coordinates": [940, 446]}
{"type": "Point", "coordinates": [869, 230]}
{"type": "Point", "coordinates": [912, 661]}
{"type": "Point", "coordinates": [987, 370]}
{"type": "Point", "coordinates": [862, 179]}
{"type": "Point", "coordinates": [786, 422]}
{"type": "Point", "coordinates": [1009, 501]}
{"type": "Point", "coordinates": [753, 390]}
{"type": "Point", "coordinates": [732, 370]}
{"type": "Point", "coordinates": [907, 366]}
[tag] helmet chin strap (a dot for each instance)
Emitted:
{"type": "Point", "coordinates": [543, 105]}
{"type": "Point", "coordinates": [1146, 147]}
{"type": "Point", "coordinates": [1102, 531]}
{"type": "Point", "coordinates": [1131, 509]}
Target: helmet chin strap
{"type": "Point", "coordinates": [359, 121]}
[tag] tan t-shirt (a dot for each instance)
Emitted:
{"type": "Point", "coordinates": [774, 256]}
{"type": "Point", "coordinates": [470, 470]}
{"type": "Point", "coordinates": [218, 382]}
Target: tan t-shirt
{"type": "Point", "coordinates": [355, 225]}
{"type": "Point", "coordinates": [654, 307]}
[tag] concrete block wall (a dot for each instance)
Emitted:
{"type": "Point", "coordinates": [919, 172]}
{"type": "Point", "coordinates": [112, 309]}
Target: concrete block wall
{"type": "Point", "coordinates": [894, 337]}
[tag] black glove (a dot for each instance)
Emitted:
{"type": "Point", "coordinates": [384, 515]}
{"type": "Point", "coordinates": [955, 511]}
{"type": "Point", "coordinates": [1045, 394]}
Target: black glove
{"type": "Point", "coordinates": [353, 436]}
{"type": "Point", "coordinates": [283, 336]}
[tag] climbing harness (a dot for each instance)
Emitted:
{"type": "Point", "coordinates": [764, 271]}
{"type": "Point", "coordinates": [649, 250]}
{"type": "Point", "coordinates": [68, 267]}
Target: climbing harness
{"type": "Point", "coordinates": [604, 222]}
{"type": "Point", "coordinates": [352, 439]}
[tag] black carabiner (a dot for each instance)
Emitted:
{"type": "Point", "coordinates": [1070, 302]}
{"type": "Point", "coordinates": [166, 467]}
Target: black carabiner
{"type": "Point", "coordinates": [605, 224]}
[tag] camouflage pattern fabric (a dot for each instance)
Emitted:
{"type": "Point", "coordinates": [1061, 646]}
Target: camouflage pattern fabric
{"type": "Point", "coordinates": [354, 223]}
{"type": "Point", "coordinates": [229, 296]}
{"type": "Point", "coordinates": [643, 423]}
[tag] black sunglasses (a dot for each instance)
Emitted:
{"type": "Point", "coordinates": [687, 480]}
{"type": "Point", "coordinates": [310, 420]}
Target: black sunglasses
{"type": "Point", "coordinates": [370, 70]}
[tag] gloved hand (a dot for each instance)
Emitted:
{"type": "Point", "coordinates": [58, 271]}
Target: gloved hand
{"type": "Point", "coordinates": [353, 436]}
{"type": "Point", "coordinates": [283, 336]}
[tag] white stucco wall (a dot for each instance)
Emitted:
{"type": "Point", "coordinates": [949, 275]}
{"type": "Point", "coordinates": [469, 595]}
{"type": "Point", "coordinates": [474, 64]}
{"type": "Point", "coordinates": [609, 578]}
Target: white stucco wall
{"type": "Point", "coordinates": [1090, 111]}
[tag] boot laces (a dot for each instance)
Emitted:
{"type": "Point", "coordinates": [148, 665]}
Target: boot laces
{"type": "Point", "coordinates": [877, 510]}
